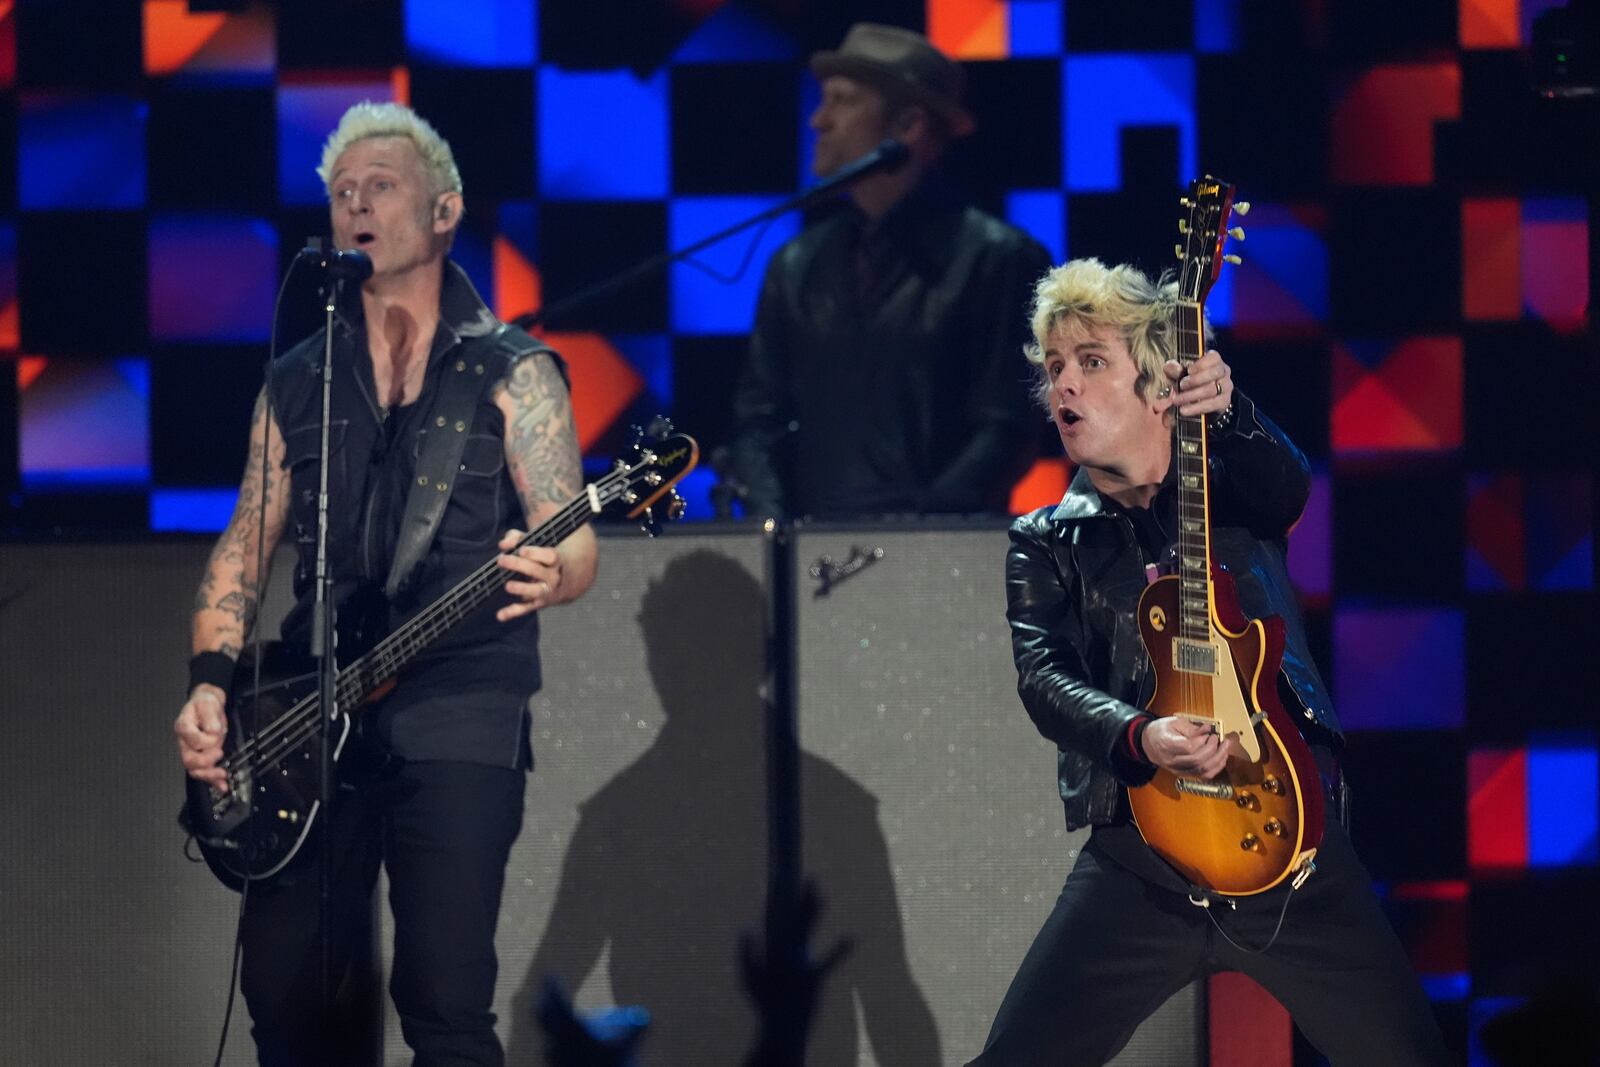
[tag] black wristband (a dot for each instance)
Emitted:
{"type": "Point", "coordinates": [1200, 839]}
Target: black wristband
{"type": "Point", "coordinates": [211, 668]}
{"type": "Point", "coordinates": [1137, 738]}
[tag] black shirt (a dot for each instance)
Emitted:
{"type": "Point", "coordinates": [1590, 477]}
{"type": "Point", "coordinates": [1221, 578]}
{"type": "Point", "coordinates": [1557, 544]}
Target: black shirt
{"type": "Point", "coordinates": [885, 372]}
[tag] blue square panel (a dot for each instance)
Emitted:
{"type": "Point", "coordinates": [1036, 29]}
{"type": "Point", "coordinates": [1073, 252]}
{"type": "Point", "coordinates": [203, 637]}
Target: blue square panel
{"type": "Point", "coordinates": [1399, 668]}
{"type": "Point", "coordinates": [715, 292]}
{"type": "Point", "coordinates": [810, 100]}
{"type": "Point", "coordinates": [1035, 27]}
{"type": "Point", "coordinates": [191, 510]}
{"type": "Point", "coordinates": [473, 33]}
{"type": "Point", "coordinates": [84, 422]}
{"type": "Point", "coordinates": [1103, 94]}
{"type": "Point", "coordinates": [1216, 26]}
{"type": "Point", "coordinates": [212, 278]}
{"type": "Point", "coordinates": [76, 151]}
{"type": "Point", "coordinates": [1282, 285]}
{"type": "Point", "coordinates": [1563, 805]}
{"type": "Point", "coordinates": [1043, 214]}
{"type": "Point", "coordinates": [602, 136]}
{"type": "Point", "coordinates": [307, 114]}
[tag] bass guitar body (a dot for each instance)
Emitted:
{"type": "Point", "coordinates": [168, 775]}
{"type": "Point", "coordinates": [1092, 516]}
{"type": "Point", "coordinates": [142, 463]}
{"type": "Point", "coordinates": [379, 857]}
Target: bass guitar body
{"type": "Point", "coordinates": [254, 829]}
{"type": "Point", "coordinates": [1260, 820]}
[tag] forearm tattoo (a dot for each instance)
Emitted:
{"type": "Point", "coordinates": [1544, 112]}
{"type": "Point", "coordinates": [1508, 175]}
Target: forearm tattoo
{"type": "Point", "coordinates": [225, 605]}
{"type": "Point", "coordinates": [541, 438]}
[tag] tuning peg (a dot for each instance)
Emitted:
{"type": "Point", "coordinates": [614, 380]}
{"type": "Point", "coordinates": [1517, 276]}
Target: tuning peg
{"type": "Point", "coordinates": [1179, 250]}
{"type": "Point", "coordinates": [660, 426]}
{"type": "Point", "coordinates": [648, 523]}
{"type": "Point", "coordinates": [1184, 201]}
{"type": "Point", "coordinates": [1241, 207]}
{"type": "Point", "coordinates": [1237, 233]}
{"type": "Point", "coordinates": [1183, 225]}
{"type": "Point", "coordinates": [1236, 260]}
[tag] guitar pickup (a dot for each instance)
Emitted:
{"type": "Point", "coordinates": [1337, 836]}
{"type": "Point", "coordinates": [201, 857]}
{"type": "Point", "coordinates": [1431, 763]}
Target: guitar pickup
{"type": "Point", "coordinates": [1194, 657]}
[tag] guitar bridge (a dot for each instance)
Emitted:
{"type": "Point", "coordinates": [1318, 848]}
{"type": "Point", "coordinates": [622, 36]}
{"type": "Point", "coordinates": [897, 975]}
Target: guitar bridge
{"type": "Point", "coordinates": [1196, 787]}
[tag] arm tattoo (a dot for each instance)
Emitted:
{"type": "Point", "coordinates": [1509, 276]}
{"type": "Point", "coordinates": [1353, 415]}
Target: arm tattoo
{"type": "Point", "coordinates": [541, 438]}
{"type": "Point", "coordinates": [225, 605]}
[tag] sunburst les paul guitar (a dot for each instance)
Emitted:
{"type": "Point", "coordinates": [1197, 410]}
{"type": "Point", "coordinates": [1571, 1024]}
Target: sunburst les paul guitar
{"type": "Point", "coordinates": [253, 829]}
{"type": "Point", "coordinates": [1260, 821]}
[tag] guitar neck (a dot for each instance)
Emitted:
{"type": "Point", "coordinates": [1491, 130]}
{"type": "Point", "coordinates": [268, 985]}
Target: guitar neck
{"type": "Point", "coordinates": [1194, 497]}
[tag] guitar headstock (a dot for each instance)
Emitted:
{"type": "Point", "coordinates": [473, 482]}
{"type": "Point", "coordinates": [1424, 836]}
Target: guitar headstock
{"type": "Point", "coordinates": [642, 481]}
{"type": "Point", "coordinates": [1211, 205]}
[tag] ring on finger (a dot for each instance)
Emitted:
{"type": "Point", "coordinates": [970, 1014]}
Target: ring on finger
{"type": "Point", "coordinates": [1219, 386]}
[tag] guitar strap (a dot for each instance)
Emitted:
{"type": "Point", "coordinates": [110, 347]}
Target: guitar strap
{"type": "Point", "coordinates": [460, 389]}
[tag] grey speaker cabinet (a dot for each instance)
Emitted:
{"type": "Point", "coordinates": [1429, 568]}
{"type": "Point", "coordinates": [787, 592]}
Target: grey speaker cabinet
{"type": "Point", "coordinates": [930, 821]}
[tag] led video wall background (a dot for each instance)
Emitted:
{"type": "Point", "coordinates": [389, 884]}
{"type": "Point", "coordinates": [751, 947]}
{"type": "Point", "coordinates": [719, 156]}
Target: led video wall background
{"type": "Point", "coordinates": [1411, 308]}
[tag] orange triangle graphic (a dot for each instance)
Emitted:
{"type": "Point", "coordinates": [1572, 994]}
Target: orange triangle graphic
{"type": "Point", "coordinates": [1044, 484]}
{"type": "Point", "coordinates": [969, 29]}
{"type": "Point", "coordinates": [172, 36]}
{"type": "Point", "coordinates": [1371, 418]}
{"type": "Point", "coordinates": [604, 383]}
{"type": "Point", "coordinates": [517, 287]}
{"type": "Point", "coordinates": [1425, 372]}
{"type": "Point", "coordinates": [28, 369]}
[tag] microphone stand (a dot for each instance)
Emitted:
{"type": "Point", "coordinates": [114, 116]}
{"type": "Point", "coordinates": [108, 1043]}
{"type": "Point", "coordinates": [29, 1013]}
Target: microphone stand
{"type": "Point", "coordinates": [322, 649]}
{"type": "Point", "coordinates": [889, 155]}
{"type": "Point", "coordinates": [786, 986]}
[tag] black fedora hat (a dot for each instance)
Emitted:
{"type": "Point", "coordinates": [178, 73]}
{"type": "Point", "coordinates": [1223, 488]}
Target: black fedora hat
{"type": "Point", "coordinates": [900, 62]}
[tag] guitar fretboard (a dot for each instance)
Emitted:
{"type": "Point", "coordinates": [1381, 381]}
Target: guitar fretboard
{"type": "Point", "coordinates": [1194, 539]}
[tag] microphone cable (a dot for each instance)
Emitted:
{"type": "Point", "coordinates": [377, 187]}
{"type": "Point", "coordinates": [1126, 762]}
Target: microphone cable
{"type": "Point", "coordinates": [255, 639]}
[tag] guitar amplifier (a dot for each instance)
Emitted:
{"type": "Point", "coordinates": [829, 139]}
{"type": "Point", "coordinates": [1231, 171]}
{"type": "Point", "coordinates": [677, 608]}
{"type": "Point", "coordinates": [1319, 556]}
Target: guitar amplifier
{"type": "Point", "coordinates": [930, 819]}
{"type": "Point", "coordinates": [908, 693]}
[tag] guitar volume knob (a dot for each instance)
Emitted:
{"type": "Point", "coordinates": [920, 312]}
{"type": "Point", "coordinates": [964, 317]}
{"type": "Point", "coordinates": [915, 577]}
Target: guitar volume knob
{"type": "Point", "coordinates": [1250, 842]}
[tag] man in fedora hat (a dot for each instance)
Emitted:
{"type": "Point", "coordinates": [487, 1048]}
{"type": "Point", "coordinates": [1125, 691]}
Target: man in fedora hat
{"type": "Point", "coordinates": [882, 376]}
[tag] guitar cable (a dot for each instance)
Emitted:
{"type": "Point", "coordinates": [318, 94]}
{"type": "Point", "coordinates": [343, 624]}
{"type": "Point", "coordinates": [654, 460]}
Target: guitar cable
{"type": "Point", "coordinates": [1204, 901]}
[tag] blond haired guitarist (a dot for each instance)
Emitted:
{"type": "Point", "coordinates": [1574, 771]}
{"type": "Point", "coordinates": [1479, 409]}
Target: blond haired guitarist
{"type": "Point", "coordinates": [1128, 930]}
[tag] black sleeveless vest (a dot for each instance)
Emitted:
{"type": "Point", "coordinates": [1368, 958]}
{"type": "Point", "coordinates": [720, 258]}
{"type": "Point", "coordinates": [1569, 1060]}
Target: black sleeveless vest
{"type": "Point", "coordinates": [465, 697]}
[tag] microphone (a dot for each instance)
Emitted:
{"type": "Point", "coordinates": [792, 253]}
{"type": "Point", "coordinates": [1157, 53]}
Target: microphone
{"type": "Point", "coordinates": [890, 155]}
{"type": "Point", "coordinates": [346, 264]}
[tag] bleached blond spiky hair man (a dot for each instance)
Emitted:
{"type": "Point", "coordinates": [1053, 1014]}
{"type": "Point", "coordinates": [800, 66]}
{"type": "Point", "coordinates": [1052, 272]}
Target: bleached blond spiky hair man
{"type": "Point", "coordinates": [1122, 298]}
{"type": "Point", "coordinates": [367, 119]}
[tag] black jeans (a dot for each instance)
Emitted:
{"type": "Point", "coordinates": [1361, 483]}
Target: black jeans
{"type": "Point", "coordinates": [1116, 947]}
{"type": "Point", "coordinates": [443, 832]}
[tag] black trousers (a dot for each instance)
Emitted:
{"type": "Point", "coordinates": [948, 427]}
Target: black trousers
{"type": "Point", "coordinates": [1116, 947]}
{"type": "Point", "coordinates": [443, 832]}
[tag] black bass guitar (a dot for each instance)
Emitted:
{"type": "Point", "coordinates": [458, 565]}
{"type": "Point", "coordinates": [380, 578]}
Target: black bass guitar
{"type": "Point", "coordinates": [251, 831]}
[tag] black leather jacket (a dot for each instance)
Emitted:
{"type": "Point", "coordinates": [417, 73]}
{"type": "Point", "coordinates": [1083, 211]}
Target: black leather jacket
{"type": "Point", "coordinates": [1074, 574]}
{"type": "Point", "coordinates": [883, 374]}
